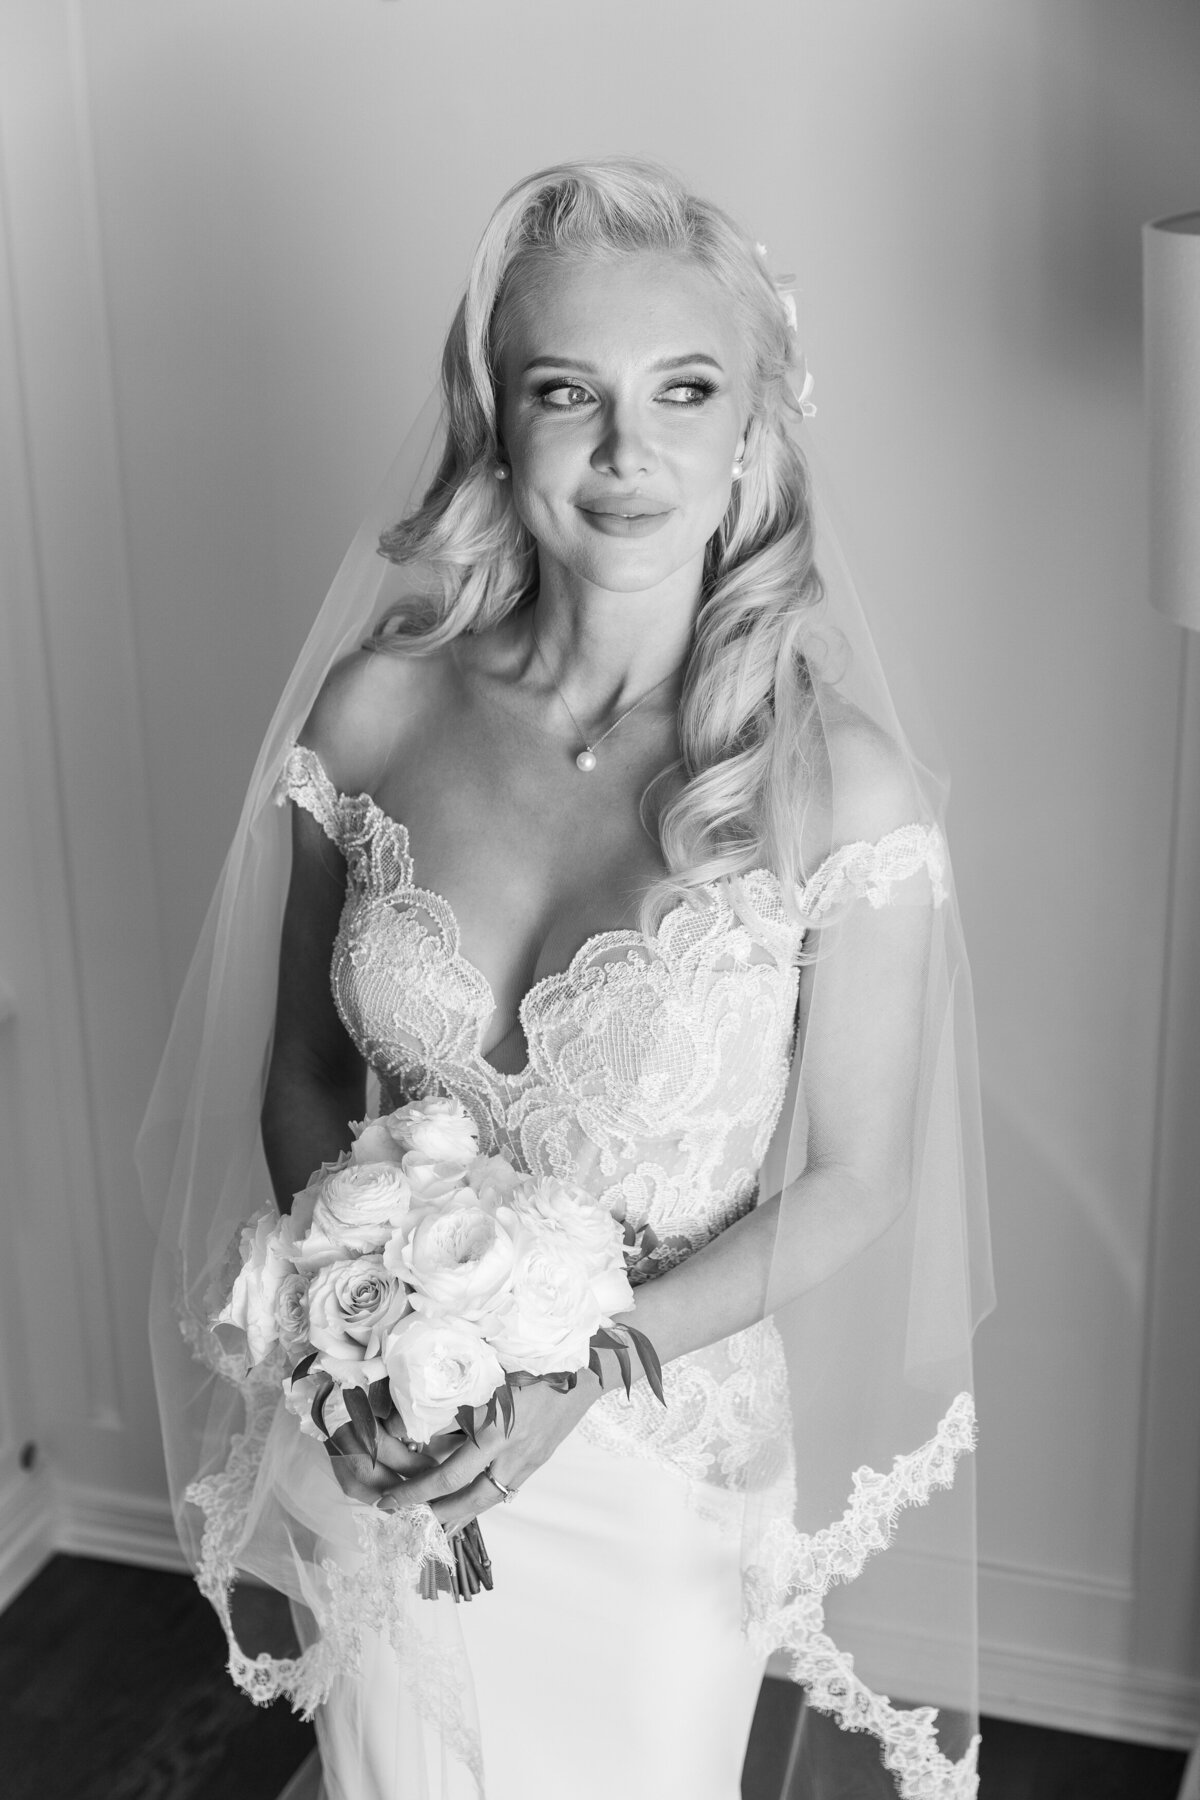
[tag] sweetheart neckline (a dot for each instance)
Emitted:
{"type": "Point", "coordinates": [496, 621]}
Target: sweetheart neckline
{"type": "Point", "coordinates": [613, 934]}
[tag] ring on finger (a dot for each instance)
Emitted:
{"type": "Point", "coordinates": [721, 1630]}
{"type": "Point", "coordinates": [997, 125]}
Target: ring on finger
{"type": "Point", "coordinates": [505, 1493]}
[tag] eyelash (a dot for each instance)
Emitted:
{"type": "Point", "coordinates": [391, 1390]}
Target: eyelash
{"type": "Point", "coordinates": [706, 389]}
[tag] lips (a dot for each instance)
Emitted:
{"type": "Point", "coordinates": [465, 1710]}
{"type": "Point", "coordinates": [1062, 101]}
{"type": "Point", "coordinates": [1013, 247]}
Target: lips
{"type": "Point", "coordinates": [623, 524]}
{"type": "Point", "coordinates": [610, 510]}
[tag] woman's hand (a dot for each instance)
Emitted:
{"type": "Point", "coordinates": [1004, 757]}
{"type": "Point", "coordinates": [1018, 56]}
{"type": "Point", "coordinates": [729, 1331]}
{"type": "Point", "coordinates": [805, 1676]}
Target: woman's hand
{"type": "Point", "coordinates": [457, 1489]}
{"type": "Point", "coordinates": [395, 1462]}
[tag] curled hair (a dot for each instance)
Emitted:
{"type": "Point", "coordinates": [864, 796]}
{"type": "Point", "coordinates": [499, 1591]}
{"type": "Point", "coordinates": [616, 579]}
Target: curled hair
{"type": "Point", "coordinates": [748, 725]}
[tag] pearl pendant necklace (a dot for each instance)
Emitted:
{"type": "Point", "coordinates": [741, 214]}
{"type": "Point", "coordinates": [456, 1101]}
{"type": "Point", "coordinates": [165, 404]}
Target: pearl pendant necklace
{"type": "Point", "coordinates": [585, 762]}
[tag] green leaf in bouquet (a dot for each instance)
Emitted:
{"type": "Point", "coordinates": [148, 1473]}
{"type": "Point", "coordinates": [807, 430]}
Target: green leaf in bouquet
{"type": "Point", "coordinates": [596, 1365]}
{"type": "Point", "coordinates": [303, 1366]}
{"type": "Point", "coordinates": [489, 1417]}
{"type": "Point", "coordinates": [363, 1421]}
{"type": "Point", "coordinates": [324, 1389]}
{"type": "Point", "coordinates": [380, 1395]}
{"type": "Point", "coordinates": [625, 1364]}
{"type": "Point", "coordinates": [507, 1409]}
{"type": "Point", "coordinates": [465, 1420]}
{"type": "Point", "coordinates": [648, 1356]}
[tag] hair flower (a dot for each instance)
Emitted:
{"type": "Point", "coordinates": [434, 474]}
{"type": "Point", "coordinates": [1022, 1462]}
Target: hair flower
{"type": "Point", "coordinates": [807, 405]}
{"type": "Point", "coordinates": [785, 287]}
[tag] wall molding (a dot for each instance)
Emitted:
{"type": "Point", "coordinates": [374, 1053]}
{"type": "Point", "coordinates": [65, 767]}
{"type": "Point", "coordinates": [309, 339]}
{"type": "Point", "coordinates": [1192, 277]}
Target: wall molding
{"type": "Point", "coordinates": [1167, 1551]}
{"type": "Point", "coordinates": [133, 1528]}
{"type": "Point", "coordinates": [27, 1531]}
{"type": "Point", "coordinates": [52, 980]}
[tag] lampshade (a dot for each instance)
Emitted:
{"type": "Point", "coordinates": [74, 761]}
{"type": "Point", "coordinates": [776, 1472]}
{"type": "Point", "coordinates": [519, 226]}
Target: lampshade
{"type": "Point", "coordinates": [1171, 267]}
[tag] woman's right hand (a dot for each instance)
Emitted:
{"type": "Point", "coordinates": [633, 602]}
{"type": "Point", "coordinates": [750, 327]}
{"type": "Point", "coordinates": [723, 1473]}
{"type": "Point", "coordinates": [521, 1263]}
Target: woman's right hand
{"type": "Point", "coordinates": [395, 1461]}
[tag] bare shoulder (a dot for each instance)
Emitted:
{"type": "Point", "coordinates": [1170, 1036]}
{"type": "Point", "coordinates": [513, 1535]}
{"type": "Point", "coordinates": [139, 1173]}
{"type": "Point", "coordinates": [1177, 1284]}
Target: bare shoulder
{"type": "Point", "coordinates": [863, 788]}
{"type": "Point", "coordinates": [366, 704]}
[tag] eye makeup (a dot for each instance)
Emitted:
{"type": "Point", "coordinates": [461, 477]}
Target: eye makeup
{"type": "Point", "coordinates": [701, 388]}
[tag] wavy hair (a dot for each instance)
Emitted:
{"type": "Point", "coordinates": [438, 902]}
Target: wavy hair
{"type": "Point", "coordinates": [748, 725]}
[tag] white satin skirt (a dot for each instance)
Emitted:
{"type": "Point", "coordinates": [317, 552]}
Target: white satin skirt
{"type": "Point", "coordinates": [608, 1662]}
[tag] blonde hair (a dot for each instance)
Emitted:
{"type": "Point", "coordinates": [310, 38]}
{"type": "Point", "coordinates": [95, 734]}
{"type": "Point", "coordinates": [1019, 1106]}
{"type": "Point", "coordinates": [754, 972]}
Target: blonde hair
{"type": "Point", "coordinates": [747, 716]}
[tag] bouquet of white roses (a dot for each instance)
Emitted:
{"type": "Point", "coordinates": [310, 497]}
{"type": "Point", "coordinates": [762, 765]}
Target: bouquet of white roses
{"type": "Point", "coordinates": [416, 1280]}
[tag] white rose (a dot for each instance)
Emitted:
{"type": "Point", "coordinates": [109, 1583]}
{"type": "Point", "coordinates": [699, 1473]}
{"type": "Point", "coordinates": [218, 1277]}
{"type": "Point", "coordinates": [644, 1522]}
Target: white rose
{"type": "Point", "coordinates": [356, 1208]}
{"type": "Point", "coordinates": [351, 1307]}
{"type": "Point", "coordinates": [583, 1220]}
{"type": "Point", "coordinates": [440, 1129]}
{"type": "Point", "coordinates": [298, 1397]}
{"type": "Point", "coordinates": [612, 1293]}
{"type": "Point", "coordinates": [251, 1303]}
{"type": "Point", "coordinates": [543, 1323]}
{"type": "Point", "coordinates": [494, 1180]}
{"type": "Point", "coordinates": [373, 1142]}
{"type": "Point", "coordinates": [431, 1180]}
{"type": "Point", "coordinates": [309, 1247]}
{"type": "Point", "coordinates": [436, 1366]}
{"type": "Point", "coordinates": [291, 1312]}
{"type": "Point", "coordinates": [458, 1257]}
{"type": "Point", "coordinates": [552, 1205]}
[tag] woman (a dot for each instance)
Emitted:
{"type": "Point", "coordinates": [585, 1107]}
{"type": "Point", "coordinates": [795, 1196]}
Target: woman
{"type": "Point", "coordinates": [608, 832]}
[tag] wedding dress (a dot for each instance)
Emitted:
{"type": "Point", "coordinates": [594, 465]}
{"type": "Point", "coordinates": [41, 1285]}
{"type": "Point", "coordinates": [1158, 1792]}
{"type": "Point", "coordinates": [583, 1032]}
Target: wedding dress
{"type": "Point", "coordinates": [777, 1504]}
{"type": "Point", "coordinates": [621, 1651]}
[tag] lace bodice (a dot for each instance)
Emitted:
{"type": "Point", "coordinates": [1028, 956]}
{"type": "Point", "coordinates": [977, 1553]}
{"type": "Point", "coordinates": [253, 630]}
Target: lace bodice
{"type": "Point", "coordinates": [656, 1065]}
{"type": "Point", "coordinates": [655, 1075]}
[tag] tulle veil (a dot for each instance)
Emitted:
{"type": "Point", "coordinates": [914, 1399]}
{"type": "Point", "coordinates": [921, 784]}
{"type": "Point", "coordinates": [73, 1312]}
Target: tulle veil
{"type": "Point", "coordinates": [858, 1550]}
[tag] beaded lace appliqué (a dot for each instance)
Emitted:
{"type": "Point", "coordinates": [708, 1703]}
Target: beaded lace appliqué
{"type": "Point", "coordinates": [656, 1072]}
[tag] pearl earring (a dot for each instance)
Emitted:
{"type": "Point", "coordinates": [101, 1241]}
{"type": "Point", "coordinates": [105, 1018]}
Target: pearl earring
{"type": "Point", "coordinates": [500, 472]}
{"type": "Point", "coordinates": [737, 470]}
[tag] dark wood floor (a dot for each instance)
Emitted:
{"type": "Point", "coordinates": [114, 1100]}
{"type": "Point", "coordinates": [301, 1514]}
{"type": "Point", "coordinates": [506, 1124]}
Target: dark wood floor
{"type": "Point", "coordinates": [112, 1687]}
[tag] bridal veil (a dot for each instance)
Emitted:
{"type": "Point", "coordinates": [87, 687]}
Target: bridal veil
{"type": "Point", "coordinates": [857, 1539]}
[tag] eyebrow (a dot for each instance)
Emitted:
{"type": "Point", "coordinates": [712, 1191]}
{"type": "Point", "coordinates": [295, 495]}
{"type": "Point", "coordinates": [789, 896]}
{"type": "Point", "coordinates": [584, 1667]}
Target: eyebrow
{"type": "Point", "coordinates": [670, 362]}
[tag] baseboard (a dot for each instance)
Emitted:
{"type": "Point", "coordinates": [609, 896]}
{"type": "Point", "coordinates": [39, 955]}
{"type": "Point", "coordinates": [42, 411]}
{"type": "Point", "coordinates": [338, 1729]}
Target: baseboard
{"type": "Point", "coordinates": [1050, 1651]}
{"type": "Point", "coordinates": [132, 1528]}
{"type": "Point", "coordinates": [27, 1532]}
{"type": "Point", "coordinates": [1076, 1693]}
{"type": "Point", "coordinates": [1098, 1695]}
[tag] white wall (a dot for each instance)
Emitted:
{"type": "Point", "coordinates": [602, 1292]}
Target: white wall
{"type": "Point", "coordinates": [236, 234]}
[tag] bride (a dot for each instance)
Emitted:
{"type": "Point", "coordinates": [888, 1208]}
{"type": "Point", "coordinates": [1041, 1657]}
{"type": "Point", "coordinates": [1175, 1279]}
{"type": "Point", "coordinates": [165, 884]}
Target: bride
{"type": "Point", "coordinates": [608, 830]}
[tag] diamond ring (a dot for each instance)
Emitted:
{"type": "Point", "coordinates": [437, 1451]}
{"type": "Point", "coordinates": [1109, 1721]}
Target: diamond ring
{"type": "Point", "coordinates": [505, 1493]}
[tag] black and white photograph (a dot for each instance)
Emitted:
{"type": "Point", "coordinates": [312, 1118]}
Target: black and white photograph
{"type": "Point", "coordinates": [600, 900]}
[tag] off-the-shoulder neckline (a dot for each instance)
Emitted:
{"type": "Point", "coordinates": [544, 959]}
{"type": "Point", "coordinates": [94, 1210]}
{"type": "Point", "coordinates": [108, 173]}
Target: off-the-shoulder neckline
{"type": "Point", "coordinates": [617, 936]}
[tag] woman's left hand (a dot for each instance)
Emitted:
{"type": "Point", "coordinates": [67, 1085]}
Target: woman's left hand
{"type": "Point", "coordinates": [457, 1490]}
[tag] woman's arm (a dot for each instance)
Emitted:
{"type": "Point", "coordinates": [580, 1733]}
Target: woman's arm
{"type": "Point", "coordinates": [862, 1020]}
{"type": "Point", "coordinates": [316, 1081]}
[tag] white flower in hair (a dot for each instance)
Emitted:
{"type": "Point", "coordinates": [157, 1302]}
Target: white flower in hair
{"type": "Point", "coordinates": [804, 401]}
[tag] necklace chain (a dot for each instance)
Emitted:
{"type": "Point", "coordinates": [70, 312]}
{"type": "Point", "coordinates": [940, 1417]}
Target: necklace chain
{"type": "Point", "coordinates": [586, 760]}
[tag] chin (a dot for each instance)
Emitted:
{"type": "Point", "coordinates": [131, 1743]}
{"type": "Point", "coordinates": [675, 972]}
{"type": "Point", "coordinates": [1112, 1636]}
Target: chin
{"type": "Point", "coordinates": [630, 569]}
{"type": "Point", "coordinates": [629, 580]}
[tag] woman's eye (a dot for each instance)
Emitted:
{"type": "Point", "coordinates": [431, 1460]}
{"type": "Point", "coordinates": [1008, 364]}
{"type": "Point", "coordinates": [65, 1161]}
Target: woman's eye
{"type": "Point", "coordinates": [563, 395]}
{"type": "Point", "coordinates": [689, 393]}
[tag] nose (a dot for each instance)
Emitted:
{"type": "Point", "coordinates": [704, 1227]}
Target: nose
{"type": "Point", "coordinates": [626, 447]}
